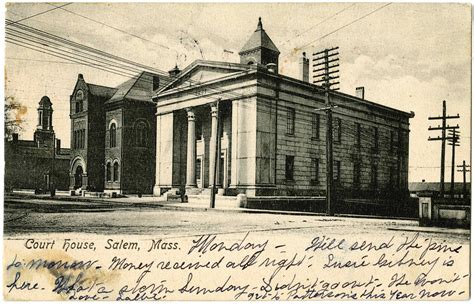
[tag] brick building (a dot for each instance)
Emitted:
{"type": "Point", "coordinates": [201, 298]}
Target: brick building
{"type": "Point", "coordinates": [113, 135]}
{"type": "Point", "coordinates": [40, 163]}
{"type": "Point", "coordinates": [271, 139]}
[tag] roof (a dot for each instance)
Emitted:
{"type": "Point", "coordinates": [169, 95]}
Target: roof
{"type": "Point", "coordinates": [138, 88]}
{"type": "Point", "coordinates": [45, 101]}
{"type": "Point", "coordinates": [101, 91]}
{"type": "Point", "coordinates": [259, 39]}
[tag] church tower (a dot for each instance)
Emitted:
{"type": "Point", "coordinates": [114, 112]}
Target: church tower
{"type": "Point", "coordinates": [44, 134]}
{"type": "Point", "coordinates": [259, 49]}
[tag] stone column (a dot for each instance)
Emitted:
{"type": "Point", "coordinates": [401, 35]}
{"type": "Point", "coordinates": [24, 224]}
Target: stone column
{"type": "Point", "coordinates": [191, 154]}
{"type": "Point", "coordinates": [212, 143]}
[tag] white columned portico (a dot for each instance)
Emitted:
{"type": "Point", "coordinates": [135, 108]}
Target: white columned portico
{"type": "Point", "coordinates": [191, 152]}
{"type": "Point", "coordinates": [212, 145]}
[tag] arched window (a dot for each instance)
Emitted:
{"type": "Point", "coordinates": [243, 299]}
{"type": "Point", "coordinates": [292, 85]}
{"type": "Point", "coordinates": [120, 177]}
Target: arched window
{"type": "Point", "coordinates": [109, 172]}
{"type": "Point", "coordinates": [116, 172]}
{"type": "Point", "coordinates": [79, 101]}
{"type": "Point", "coordinates": [113, 135]}
{"type": "Point", "coordinates": [141, 134]}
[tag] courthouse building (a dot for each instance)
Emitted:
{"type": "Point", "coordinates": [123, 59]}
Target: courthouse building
{"type": "Point", "coordinates": [271, 139]}
{"type": "Point", "coordinates": [113, 135]}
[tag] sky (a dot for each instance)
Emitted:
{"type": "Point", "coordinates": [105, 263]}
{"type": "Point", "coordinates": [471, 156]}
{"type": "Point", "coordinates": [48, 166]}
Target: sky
{"type": "Point", "coordinates": [407, 56]}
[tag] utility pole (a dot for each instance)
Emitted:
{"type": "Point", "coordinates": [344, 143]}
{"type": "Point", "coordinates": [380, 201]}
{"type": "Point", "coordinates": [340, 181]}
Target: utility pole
{"type": "Point", "coordinates": [465, 168]}
{"type": "Point", "coordinates": [453, 140]}
{"type": "Point", "coordinates": [324, 72]}
{"type": "Point", "coordinates": [443, 129]}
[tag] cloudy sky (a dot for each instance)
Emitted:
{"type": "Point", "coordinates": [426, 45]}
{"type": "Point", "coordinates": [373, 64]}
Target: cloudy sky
{"type": "Point", "coordinates": [408, 56]}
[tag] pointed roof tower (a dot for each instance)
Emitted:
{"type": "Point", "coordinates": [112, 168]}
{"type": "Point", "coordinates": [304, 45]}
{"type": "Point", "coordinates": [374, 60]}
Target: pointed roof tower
{"type": "Point", "coordinates": [259, 48]}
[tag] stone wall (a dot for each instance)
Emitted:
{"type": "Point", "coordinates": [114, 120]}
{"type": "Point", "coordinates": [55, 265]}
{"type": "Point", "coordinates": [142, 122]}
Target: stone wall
{"type": "Point", "coordinates": [388, 158]}
{"type": "Point", "coordinates": [138, 162]}
{"type": "Point", "coordinates": [27, 167]}
{"type": "Point", "coordinates": [95, 143]}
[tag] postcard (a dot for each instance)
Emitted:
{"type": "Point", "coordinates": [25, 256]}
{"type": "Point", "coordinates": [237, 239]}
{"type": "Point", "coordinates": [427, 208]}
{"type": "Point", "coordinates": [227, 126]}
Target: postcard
{"type": "Point", "coordinates": [245, 151]}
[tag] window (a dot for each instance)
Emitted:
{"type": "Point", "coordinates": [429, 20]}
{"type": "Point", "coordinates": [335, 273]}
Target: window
{"type": "Point", "coordinates": [315, 170]}
{"type": "Point", "coordinates": [109, 172]}
{"type": "Point", "coordinates": [357, 134]}
{"type": "Point", "coordinates": [198, 126]}
{"type": "Point", "coordinates": [376, 140]}
{"type": "Point", "coordinates": [290, 121]}
{"type": "Point", "coordinates": [141, 134]}
{"type": "Point", "coordinates": [40, 118]}
{"type": "Point", "coordinates": [79, 139]}
{"type": "Point", "coordinates": [45, 121]}
{"type": "Point", "coordinates": [356, 174]}
{"type": "Point", "coordinates": [315, 129]}
{"type": "Point", "coordinates": [337, 171]}
{"type": "Point", "coordinates": [289, 167]}
{"type": "Point", "coordinates": [198, 169]}
{"type": "Point", "coordinates": [116, 172]}
{"type": "Point", "coordinates": [113, 135]}
{"type": "Point", "coordinates": [373, 179]}
{"type": "Point", "coordinates": [79, 101]}
{"type": "Point", "coordinates": [337, 124]}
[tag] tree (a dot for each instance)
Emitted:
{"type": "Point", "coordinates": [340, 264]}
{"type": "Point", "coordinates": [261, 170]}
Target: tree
{"type": "Point", "coordinates": [14, 111]}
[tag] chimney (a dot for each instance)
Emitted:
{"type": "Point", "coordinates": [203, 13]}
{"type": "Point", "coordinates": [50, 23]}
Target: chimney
{"type": "Point", "coordinates": [304, 68]}
{"type": "Point", "coordinates": [272, 68]}
{"type": "Point", "coordinates": [15, 138]}
{"type": "Point", "coordinates": [156, 82]}
{"type": "Point", "coordinates": [174, 72]}
{"type": "Point", "coordinates": [58, 146]}
{"type": "Point", "coordinates": [360, 92]}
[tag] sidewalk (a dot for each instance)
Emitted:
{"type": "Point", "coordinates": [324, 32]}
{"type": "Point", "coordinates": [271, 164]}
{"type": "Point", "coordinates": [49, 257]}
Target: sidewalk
{"type": "Point", "coordinates": [194, 204]}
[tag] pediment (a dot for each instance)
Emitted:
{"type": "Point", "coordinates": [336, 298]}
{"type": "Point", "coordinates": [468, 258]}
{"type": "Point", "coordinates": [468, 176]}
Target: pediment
{"type": "Point", "coordinates": [202, 72]}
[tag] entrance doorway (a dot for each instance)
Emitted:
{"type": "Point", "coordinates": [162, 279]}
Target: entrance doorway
{"type": "Point", "coordinates": [221, 175]}
{"type": "Point", "coordinates": [198, 171]}
{"type": "Point", "coordinates": [78, 177]}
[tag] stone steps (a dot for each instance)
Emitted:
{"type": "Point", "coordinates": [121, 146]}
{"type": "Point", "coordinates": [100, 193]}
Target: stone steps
{"type": "Point", "coordinates": [222, 201]}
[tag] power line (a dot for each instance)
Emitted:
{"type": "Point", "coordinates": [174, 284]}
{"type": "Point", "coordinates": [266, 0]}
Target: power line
{"type": "Point", "coordinates": [40, 13]}
{"type": "Point", "coordinates": [77, 47]}
{"type": "Point", "coordinates": [40, 60]}
{"type": "Point", "coordinates": [321, 22]}
{"type": "Point", "coordinates": [100, 67]}
{"type": "Point", "coordinates": [58, 46]}
{"type": "Point", "coordinates": [345, 25]}
{"type": "Point", "coordinates": [112, 27]}
{"type": "Point", "coordinates": [83, 47]}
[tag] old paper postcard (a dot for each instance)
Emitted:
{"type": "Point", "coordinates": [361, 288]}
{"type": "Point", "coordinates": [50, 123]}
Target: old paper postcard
{"type": "Point", "coordinates": [245, 151]}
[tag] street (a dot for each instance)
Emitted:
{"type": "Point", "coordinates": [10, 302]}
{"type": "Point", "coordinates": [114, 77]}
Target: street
{"type": "Point", "coordinates": [26, 217]}
{"type": "Point", "coordinates": [225, 254]}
